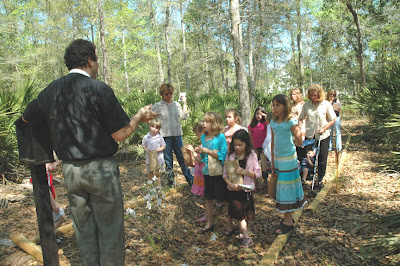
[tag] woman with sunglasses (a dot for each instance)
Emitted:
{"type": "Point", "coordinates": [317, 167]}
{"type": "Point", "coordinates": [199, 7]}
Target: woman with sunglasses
{"type": "Point", "coordinates": [319, 117]}
{"type": "Point", "coordinates": [170, 114]}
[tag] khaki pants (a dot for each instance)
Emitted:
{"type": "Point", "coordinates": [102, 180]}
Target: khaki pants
{"type": "Point", "coordinates": [95, 198]}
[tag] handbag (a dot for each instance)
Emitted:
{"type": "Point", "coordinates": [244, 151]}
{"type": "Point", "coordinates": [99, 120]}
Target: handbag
{"type": "Point", "coordinates": [188, 155]}
{"type": "Point", "coordinates": [153, 161]}
{"type": "Point", "coordinates": [264, 162]}
{"type": "Point", "coordinates": [214, 166]}
{"type": "Point", "coordinates": [230, 167]}
{"type": "Point", "coordinates": [272, 181]}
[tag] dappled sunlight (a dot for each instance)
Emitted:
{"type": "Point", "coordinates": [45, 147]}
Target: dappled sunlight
{"type": "Point", "coordinates": [332, 235]}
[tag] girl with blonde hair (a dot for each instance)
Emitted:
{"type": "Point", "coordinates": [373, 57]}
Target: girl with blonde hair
{"type": "Point", "coordinates": [213, 144]}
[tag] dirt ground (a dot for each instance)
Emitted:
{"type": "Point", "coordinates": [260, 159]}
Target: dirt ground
{"type": "Point", "coordinates": [334, 235]}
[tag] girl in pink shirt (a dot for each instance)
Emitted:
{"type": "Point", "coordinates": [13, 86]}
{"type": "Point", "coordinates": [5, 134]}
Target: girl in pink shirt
{"type": "Point", "coordinates": [258, 129]}
{"type": "Point", "coordinates": [241, 202]}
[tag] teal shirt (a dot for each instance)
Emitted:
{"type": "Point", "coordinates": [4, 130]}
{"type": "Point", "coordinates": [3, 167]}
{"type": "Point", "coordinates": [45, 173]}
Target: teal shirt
{"type": "Point", "coordinates": [217, 143]}
{"type": "Point", "coordinates": [283, 137]}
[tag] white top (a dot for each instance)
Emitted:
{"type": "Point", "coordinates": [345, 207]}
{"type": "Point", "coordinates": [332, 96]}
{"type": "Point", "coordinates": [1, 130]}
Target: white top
{"type": "Point", "coordinates": [267, 144]}
{"type": "Point", "coordinates": [169, 116]}
{"type": "Point", "coordinates": [317, 116]}
{"type": "Point", "coordinates": [152, 143]}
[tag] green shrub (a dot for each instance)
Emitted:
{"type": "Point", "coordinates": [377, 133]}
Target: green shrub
{"type": "Point", "coordinates": [380, 102]}
{"type": "Point", "coordinates": [12, 103]}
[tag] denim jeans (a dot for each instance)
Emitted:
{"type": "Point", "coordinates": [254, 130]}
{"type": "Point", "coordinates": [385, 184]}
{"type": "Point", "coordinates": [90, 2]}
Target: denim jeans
{"type": "Point", "coordinates": [175, 144]}
{"type": "Point", "coordinates": [338, 138]}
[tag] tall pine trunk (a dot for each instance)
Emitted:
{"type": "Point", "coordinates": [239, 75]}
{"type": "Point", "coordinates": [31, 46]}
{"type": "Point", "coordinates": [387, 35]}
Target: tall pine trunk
{"type": "Point", "coordinates": [166, 32]}
{"type": "Point", "coordinates": [241, 79]}
{"type": "Point", "coordinates": [157, 43]}
{"type": "Point", "coordinates": [251, 61]}
{"type": "Point", "coordinates": [125, 62]}
{"type": "Point", "coordinates": [103, 42]}
{"type": "Point", "coordinates": [184, 51]}
{"type": "Point", "coordinates": [300, 81]}
{"type": "Point", "coordinates": [359, 42]}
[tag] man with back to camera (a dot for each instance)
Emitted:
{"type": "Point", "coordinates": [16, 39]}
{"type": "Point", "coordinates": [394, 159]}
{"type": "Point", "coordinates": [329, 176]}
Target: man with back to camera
{"type": "Point", "coordinates": [85, 121]}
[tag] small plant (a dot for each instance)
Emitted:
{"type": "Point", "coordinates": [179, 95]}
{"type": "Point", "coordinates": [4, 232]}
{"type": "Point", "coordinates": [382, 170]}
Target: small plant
{"type": "Point", "coordinates": [157, 247]}
{"type": "Point", "coordinates": [383, 246]}
{"type": "Point", "coordinates": [386, 245]}
{"type": "Point", "coordinates": [12, 103]}
{"type": "Point", "coordinates": [155, 196]}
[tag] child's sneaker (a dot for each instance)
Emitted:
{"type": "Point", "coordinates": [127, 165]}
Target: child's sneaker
{"type": "Point", "coordinates": [201, 220]}
{"type": "Point", "coordinates": [247, 242]}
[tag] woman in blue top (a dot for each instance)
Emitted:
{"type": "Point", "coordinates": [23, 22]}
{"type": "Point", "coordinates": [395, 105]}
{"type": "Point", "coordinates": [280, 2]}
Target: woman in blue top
{"type": "Point", "coordinates": [213, 144]}
{"type": "Point", "coordinates": [289, 191]}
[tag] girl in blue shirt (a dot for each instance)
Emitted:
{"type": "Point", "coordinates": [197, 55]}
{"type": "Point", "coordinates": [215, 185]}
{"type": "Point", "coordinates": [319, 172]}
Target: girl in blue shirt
{"type": "Point", "coordinates": [289, 191]}
{"type": "Point", "coordinates": [213, 144]}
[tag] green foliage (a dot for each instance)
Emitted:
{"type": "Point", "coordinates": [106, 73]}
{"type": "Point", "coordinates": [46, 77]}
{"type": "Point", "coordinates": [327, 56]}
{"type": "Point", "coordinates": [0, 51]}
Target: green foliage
{"type": "Point", "coordinates": [391, 220]}
{"type": "Point", "coordinates": [381, 103]}
{"type": "Point", "coordinates": [198, 106]}
{"type": "Point", "coordinates": [12, 103]}
{"type": "Point", "coordinates": [132, 103]}
{"type": "Point", "coordinates": [264, 99]}
{"type": "Point", "coordinates": [206, 102]}
{"type": "Point", "coordinates": [382, 246]}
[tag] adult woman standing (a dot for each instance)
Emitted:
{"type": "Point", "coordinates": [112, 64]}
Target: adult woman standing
{"type": "Point", "coordinates": [319, 116]}
{"type": "Point", "coordinates": [334, 100]}
{"type": "Point", "coordinates": [296, 99]}
{"type": "Point", "coordinates": [170, 112]}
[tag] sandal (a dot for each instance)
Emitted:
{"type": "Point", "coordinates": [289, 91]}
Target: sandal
{"type": "Point", "coordinates": [283, 229]}
{"type": "Point", "coordinates": [230, 233]}
{"type": "Point", "coordinates": [204, 230]}
{"type": "Point", "coordinates": [247, 242]}
{"type": "Point", "coordinates": [281, 222]}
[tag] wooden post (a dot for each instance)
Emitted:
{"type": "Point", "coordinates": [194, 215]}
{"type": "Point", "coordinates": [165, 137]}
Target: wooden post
{"type": "Point", "coordinates": [27, 246]}
{"type": "Point", "coordinates": [62, 230]}
{"type": "Point", "coordinates": [44, 216]}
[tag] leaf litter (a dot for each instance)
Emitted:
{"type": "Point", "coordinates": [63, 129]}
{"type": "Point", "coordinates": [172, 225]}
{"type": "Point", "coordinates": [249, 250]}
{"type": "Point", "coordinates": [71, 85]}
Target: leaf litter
{"type": "Point", "coordinates": [333, 235]}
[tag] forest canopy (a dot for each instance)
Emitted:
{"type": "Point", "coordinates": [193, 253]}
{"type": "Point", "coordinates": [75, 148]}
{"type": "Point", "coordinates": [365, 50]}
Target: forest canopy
{"type": "Point", "coordinates": [240, 52]}
{"type": "Point", "coordinates": [140, 43]}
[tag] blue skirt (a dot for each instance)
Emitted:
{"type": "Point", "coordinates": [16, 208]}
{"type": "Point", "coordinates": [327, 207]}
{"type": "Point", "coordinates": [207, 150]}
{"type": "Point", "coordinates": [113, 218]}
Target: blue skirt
{"type": "Point", "coordinates": [289, 190]}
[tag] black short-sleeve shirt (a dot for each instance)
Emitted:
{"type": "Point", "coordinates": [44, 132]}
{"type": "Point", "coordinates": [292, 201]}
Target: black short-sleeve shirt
{"type": "Point", "coordinates": [82, 113]}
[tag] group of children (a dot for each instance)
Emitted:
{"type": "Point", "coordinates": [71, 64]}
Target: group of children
{"type": "Point", "coordinates": [234, 142]}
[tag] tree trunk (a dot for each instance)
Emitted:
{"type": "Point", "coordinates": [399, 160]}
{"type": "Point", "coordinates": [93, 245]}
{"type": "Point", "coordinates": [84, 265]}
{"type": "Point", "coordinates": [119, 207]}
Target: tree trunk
{"type": "Point", "coordinates": [359, 42]}
{"type": "Point", "coordinates": [222, 67]}
{"type": "Point", "coordinates": [125, 61]}
{"type": "Point", "coordinates": [167, 16]}
{"type": "Point", "coordinates": [309, 33]}
{"type": "Point", "coordinates": [300, 67]}
{"type": "Point", "coordinates": [157, 42]}
{"type": "Point", "coordinates": [251, 62]}
{"type": "Point", "coordinates": [241, 79]}
{"type": "Point", "coordinates": [260, 40]}
{"type": "Point", "coordinates": [103, 42]}
{"type": "Point", "coordinates": [184, 50]}
{"type": "Point", "coordinates": [294, 53]}
{"type": "Point", "coordinates": [209, 71]}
